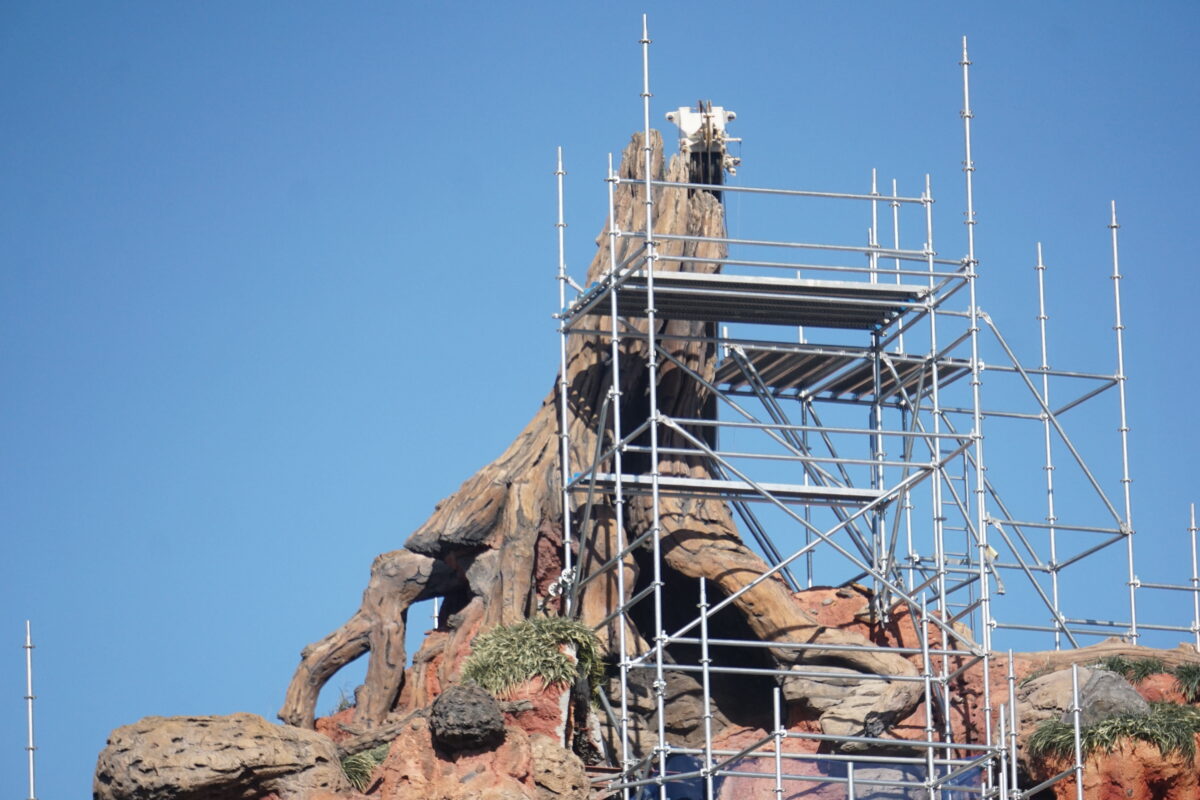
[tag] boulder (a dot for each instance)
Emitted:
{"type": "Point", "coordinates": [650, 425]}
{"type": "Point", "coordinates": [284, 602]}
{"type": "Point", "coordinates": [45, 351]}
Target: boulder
{"type": "Point", "coordinates": [466, 718]}
{"type": "Point", "coordinates": [215, 758]}
{"type": "Point", "coordinates": [1107, 694]}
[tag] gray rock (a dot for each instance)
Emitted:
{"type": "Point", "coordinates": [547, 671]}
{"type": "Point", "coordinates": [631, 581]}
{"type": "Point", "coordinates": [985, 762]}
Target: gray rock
{"type": "Point", "coordinates": [1102, 694]}
{"type": "Point", "coordinates": [466, 718]}
{"type": "Point", "coordinates": [1106, 694]}
{"type": "Point", "coordinates": [215, 758]}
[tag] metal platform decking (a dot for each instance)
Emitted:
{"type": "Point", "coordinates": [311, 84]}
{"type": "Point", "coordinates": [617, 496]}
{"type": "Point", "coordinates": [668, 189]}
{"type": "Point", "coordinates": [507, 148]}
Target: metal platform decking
{"type": "Point", "coordinates": [671, 486]}
{"type": "Point", "coordinates": [705, 297]}
{"type": "Point", "coordinates": [837, 373]}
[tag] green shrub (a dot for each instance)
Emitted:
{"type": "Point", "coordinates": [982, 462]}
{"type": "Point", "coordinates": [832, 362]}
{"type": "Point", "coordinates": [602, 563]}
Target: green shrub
{"type": "Point", "coordinates": [1187, 681]}
{"type": "Point", "coordinates": [1134, 670]}
{"type": "Point", "coordinates": [358, 767]}
{"type": "Point", "coordinates": [509, 655]}
{"type": "Point", "coordinates": [1170, 727]}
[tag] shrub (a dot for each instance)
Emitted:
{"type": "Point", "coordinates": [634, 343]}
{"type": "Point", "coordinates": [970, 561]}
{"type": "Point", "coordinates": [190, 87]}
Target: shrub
{"type": "Point", "coordinates": [1170, 727]}
{"type": "Point", "coordinates": [1134, 670]}
{"type": "Point", "coordinates": [358, 767]}
{"type": "Point", "coordinates": [509, 655]}
{"type": "Point", "coordinates": [1187, 681]}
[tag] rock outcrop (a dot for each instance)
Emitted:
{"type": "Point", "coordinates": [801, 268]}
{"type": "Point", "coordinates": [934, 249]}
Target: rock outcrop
{"type": "Point", "coordinates": [216, 758]}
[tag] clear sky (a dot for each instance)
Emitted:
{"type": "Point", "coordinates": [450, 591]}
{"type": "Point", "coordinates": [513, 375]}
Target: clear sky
{"type": "Point", "coordinates": [277, 277]}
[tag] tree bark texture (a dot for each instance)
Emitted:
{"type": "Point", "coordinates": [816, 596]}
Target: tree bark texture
{"type": "Point", "coordinates": [489, 550]}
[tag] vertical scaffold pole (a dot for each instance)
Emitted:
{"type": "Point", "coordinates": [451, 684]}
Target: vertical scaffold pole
{"type": "Point", "coordinates": [706, 683]}
{"type": "Point", "coordinates": [879, 555]}
{"type": "Point", "coordinates": [907, 503]}
{"type": "Point", "coordinates": [651, 258]}
{"type": "Point", "coordinates": [1078, 768]}
{"type": "Point", "coordinates": [895, 204]}
{"type": "Point", "coordinates": [779, 734]}
{"type": "Point", "coordinates": [1051, 516]}
{"type": "Point", "coordinates": [981, 522]}
{"type": "Point", "coordinates": [1119, 327]}
{"type": "Point", "coordinates": [1013, 782]}
{"type": "Point", "coordinates": [30, 747]}
{"type": "Point", "coordinates": [614, 395]}
{"type": "Point", "coordinates": [935, 445]}
{"type": "Point", "coordinates": [1003, 771]}
{"type": "Point", "coordinates": [927, 686]}
{"type": "Point", "coordinates": [563, 415]}
{"type": "Point", "coordinates": [1195, 579]}
{"type": "Point", "coordinates": [873, 234]}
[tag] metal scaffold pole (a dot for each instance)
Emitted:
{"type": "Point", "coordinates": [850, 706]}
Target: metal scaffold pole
{"type": "Point", "coordinates": [614, 397]}
{"type": "Point", "coordinates": [981, 518]}
{"type": "Point", "coordinates": [564, 436]}
{"type": "Point", "coordinates": [1051, 517]}
{"type": "Point", "coordinates": [30, 747]}
{"type": "Point", "coordinates": [1195, 581]}
{"type": "Point", "coordinates": [651, 258]}
{"type": "Point", "coordinates": [1119, 327]}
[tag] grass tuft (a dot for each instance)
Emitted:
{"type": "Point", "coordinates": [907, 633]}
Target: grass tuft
{"type": "Point", "coordinates": [344, 701]}
{"type": "Point", "coordinates": [1134, 670]}
{"type": "Point", "coordinates": [1170, 727]}
{"type": "Point", "coordinates": [1187, 681]}
{"type": "Point", "coordinates": [509, 655]}
{"type": "Point", "coordinates": [360, 766]}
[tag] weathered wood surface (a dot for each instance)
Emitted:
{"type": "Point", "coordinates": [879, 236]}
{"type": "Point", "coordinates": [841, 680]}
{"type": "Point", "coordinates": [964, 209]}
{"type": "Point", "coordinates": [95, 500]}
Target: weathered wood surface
{"type": "Point", "coordinates": [485, 548]}
{"type": "Point", "coordinates": [1113, 646]}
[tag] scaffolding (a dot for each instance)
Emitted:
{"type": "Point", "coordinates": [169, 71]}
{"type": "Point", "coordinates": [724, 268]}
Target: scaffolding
{"type": "Point", "coordinates": [814, 338]}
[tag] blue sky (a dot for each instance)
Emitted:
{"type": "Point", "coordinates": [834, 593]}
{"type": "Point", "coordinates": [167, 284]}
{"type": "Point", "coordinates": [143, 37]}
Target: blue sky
{"type": "Point", "coordinates": [278, 277]}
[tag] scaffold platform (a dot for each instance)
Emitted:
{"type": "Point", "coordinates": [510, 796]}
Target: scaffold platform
{"type": "Point", "coordinates": [732, 490]}
{"type": "Point", "coordinates": [703, 297]}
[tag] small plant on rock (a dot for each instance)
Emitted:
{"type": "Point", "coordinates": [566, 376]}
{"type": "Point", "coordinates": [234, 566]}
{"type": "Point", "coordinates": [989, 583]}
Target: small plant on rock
{"type": "Point", "coordinates": [1134, 670]}
{"type": "Point", "coordinates": [360, 766]}
{"type": "Point", "coordinates": [1170, 727]}
{"type": "Point", "coordinates": [509, 655]}
{"type": "Point", "coordinates": [1187, 681]}
{"type": "Point", "coordinates": [344, 701]}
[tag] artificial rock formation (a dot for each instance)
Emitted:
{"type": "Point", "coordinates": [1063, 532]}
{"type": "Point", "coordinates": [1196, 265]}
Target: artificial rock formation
{"type": "Point", "coordinates": [492, 552]}
{"type": "Point", "coordinates": [491, 549]}
{"type": "Point", "coordinates": [216, 758]}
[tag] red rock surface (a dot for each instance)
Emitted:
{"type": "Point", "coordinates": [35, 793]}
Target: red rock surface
{"type": "Point", "coordinates": [1133, 771]}
{"type": "Point", "coordinates": [1160, 688]}
{"type": "Point", "coordinates": [332, 726]}
{"type": "Point", "coordinates": [547, 715]}
{"type": "Point", "coordinates": [524, 766]}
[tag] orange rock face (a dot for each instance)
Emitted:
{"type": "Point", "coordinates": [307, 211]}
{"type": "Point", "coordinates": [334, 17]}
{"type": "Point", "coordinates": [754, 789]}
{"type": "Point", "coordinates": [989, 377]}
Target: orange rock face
{"type": "Point", "coordinates": [524, 766]}
{"type": "Point", "coordinates": [1133, 771]}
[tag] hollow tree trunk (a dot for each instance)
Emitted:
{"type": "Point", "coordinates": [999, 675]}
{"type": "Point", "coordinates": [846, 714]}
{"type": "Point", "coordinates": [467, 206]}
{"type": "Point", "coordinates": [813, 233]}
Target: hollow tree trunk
{"type": "Point", "coordinates": [485, 547]}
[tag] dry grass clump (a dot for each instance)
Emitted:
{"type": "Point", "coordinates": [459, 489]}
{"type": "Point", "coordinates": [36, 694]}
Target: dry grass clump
{"type": "Point", "coordinates": [360, 766]}
{"type": "Point", "coordinates": [509, 655]}
{"type": "Point", "coordinates": [1187, 681]}
{"type": "Point", "coordinates": [1170, 727]}
{"type": "Point", "coordinates": [1134, 670]}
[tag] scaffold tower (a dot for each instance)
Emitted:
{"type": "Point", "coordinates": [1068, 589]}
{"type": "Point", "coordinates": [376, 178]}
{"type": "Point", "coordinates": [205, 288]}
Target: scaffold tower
{"type": "Point", "coordinates": [854, 389]}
